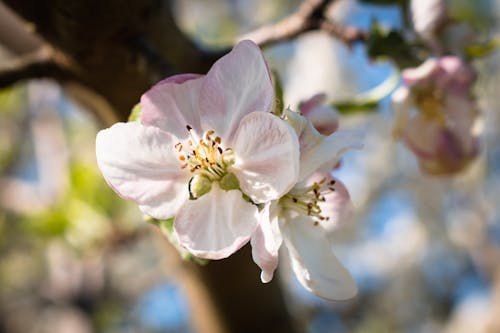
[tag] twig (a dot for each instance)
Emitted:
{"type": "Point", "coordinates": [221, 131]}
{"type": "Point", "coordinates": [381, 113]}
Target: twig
{"type": "Point", "coordinates": [347, 34]}
{"type": "Point", "coordinates": [311, 15]}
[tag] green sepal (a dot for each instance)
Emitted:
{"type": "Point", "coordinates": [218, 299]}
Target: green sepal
{"type": "Point", "coordinates": [278, 93]}
{"type": "Point", "coordinates": [167, 228]}
{"type": "Point", "coordinates": [135, 114]}
{"type": "Point", "coordinates": [368, 101]}
{"type": "Point", "coordinates": [483, 49]}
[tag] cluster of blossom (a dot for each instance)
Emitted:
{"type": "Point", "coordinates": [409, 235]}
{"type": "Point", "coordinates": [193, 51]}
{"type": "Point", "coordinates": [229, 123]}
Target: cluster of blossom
{"type": "Point", "coordinates": [211, 152]}
{"type": "Point", "coordinates": [436, 113]}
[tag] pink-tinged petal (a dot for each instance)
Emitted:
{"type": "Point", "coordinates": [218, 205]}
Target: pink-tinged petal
{"type": "Point", "coordinates": [459, 76]}
{"type": "Point", "coordinates": [217, 224]}
{"type": "Point", "coordinates": [313, 261]}
{"type": "Point", "coordinates": [421, 74]}
{"type": "Point", "coordinates": [325, 119]}
{"type": "Point", "coordinates": [237, 84]}
{"type": "Point", "coordinates": [267, 156]}
{"type": "Point", "coordinates": [140, 164]}
{"type": "Point", "coordinates": [309, 105]}
{"type": "Point", "coordinates": [173, 104]}
{"type": "Point", "coordinates": [266, 241]}
{"type": "Point", "coordinates": [180, 78]}
{"type": "Point", "coordinates": [421, 136]}
{"type": "Point", "coordinates": [328, 151]}
{"type": "Point", "coordinates": [427, 16]}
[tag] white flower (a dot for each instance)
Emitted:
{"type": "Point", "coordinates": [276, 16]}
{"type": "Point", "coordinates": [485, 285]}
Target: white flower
{"type": "Point", "coordinates": [302, 219]}
{"type": "Point", "coordinates": [203, 142]}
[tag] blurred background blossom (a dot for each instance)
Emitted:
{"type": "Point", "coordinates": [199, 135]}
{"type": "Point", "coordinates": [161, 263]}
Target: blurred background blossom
{"type": "Point", "coordinates": [425, 251]}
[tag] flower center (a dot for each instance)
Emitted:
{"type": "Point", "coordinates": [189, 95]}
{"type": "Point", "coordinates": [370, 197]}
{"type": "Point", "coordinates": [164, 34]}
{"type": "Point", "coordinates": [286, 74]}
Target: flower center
{"type": "Point", "coordinates": [307, 200]}
{"type": "Point", "coordinates": [205, 156]}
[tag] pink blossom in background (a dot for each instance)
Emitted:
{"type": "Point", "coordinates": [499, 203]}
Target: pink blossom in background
{"type": "Point", "coordinates": [437, 115]}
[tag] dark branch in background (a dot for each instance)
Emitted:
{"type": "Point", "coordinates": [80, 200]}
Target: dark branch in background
{"type": "Point", "coordinates": [150, 58]}
{"type": "Point", "coordinates": [311, 15]}
{"type": "Point", "coordinates": [40, 64]}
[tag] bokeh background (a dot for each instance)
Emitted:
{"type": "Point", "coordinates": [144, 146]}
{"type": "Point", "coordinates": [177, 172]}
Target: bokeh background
{"type": "Point", "coordinates": [425, 251]}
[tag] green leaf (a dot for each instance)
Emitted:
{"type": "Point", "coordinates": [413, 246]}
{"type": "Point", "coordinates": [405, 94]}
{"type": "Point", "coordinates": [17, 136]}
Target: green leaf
{"type": "Point", "coordinates": [483, 49]}
{"type": "Point", "coordinates": [350, 107]}
{"type": "Point", "coordinates": [368, 101]}
{"type": "Point", "coordinates": [390, 44]}
{"type": "Point", "coordinates": [135, 114]}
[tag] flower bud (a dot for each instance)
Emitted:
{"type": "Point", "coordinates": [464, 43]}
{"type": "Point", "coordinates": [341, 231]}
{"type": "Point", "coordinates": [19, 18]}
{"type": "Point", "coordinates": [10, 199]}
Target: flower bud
{"type": "Point", "coordinates": [324, 118]}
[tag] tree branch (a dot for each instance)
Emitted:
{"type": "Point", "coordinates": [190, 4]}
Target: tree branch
{"type": "Point", "coordinates": [347, 34]}
{"type": "Point", "coordinates": [39, 64]}
{"type": "Point", "coordinates": [311, 15]}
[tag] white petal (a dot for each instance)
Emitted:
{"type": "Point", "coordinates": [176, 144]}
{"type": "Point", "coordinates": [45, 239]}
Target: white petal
{"type": "Point", "coordinates": [217, 224]}
{"type": "Point", "coordinates": [237, 84]}
{"type": "Point", "coordinates": [172, 106]}
{"type": "Point", "coordinates": [328, 150]}
{"type": "Point", "coordinates": [421, 75]}
{"type": "Point", "coordinates": [266, 242]}
{"type": "Point", "coordinates": [313, 262]}
{"type": "Point", "coordinates": [267, 156]}
{"type": "Point", "coordinates": [140, 164]}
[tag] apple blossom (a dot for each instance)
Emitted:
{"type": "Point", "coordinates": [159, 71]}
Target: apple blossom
{"type": "Point", "coordinates": [303, 218]}
{"type": "Point", "coordinates": [436, 114]}
{"type": "Point", "coordinates": [206, 151]}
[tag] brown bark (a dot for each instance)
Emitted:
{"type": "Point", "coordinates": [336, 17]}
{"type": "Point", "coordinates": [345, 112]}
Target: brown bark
{"type": "Point", "coordinates": [246, 304]}
{"type": "Point", "coordinates": [118, 49]}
